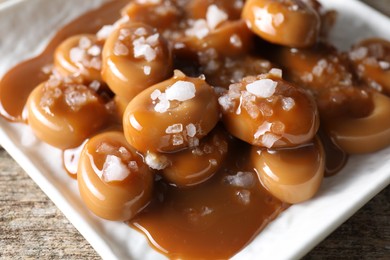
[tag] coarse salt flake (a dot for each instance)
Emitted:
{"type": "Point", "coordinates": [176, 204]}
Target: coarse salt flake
{"type": "Point", "coordinates": [181, 91]}
{"type": "Point", "coordinates": [157, 162]}
{"type": "Point", "coordinates": [263, 88]}
{"type": "Point", "coordinates": [215, 16]}
{"type": "Point", "coordinates": [114, 169]}
{"type": "Point", "coordinates": [174, 129]}
{"type": "Point", "coordinates": [155, 94]}
{"type": "Point", "coordinates": [191, 130]}
{"type": "Point", "coordinates": [288, 103]}
{"type": "Point", "coordinates": [147, 70]}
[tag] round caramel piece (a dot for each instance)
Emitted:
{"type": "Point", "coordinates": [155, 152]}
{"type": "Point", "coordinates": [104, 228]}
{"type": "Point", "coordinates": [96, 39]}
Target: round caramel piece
{"type": "Point", "coordinates": [113, 180]}
{"type": "Point", "coordinates": [135, 56]}
{"type": "Point", "coordinates": [267, 111]}
{"type": "Point", "coordinates": [291, 23]}
{"type": "Point", "coordinates": [63, 114]}
{"type": "Point", "coordinates": [171, 115]}
{"type": "Point", "coordinates": [292, 175]}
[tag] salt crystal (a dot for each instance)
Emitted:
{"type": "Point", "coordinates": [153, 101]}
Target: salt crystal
{"type": "Point", "coordinates": [213, 162]}
{"type": "Point", "coordinates": [226, 103]}
{"type": "Point", "coordinates": [262, 129]}
{"type": "Point", "coordinates": [147, 70]}
{"type": "Point", "coordinates": [320, 67]}
{"type": "Point", "coordinates": [47, 69]}
{"type": "Point", "coordinates": [104, 32]}
{"type": "Point", "coordinates": [125, 154]}
{"type": "Point", "coordinates": [215, 16]}
{"type": "Point", "coordinates": [141, 49]}
{"type": "Point", "coordinates": [269, 139]}
{"type": "Point", "coordinates": [85, 43]}
{"type": "Point", "coordinates": [94, 50]}
{"type": "Point", "coordinates": [235, 40]}
{"type": "Point", "coordinates": [157, 162]}
{"type": "Point", "coordinates": [384, 65]}
{"type": "Point", "coordinates": [120, 49]}
{"type": "Point", "coordinates": [94, 85]}
{"type": "Point", "coordinates": [199, 30]}
{"type": "Point", "coordinates": [358, 54]}
{"type": "Point", "coordinates": [174, 129]}
{"type": "Point", "coordinates": [278, 128]}
{"type": "Point", "coordinates": [153, 39]}
{"type": "Point", "coordinates": [193, 142]}
{"type": "Point", "coordinates": [141, 31]}
{"type": "Point", "coordinates": [163, 105]}
{"type": "Point", "coordinates": [241, 180]}
{"type": "Point", "coordinates": [288, 103]}
{"type": "Point", "coordinates": [177, 140]}
{"type": "Point", "coordinates": [181, 91]}
{"type": "Point", "coordinates": [76, 54]}
{"type": "Point", "coordinates": [114, 169]}
{"type": "Point", "coordinates": [263, 88]}
{"type": "Point", "coordinates": [133, 166]}
{"type": "Point", "coordinates": [155, 94]}
{"type": "Point", "coordinates": [244, 196]}
{"type": "Point", "coordinates": [276, 72]}
{"type": "Point", "coordinates": [191, 130]}
{"type": "Point", "coordinates": [105, 148]}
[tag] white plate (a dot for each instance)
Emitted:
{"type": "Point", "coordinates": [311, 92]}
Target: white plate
{"type": "Point", "coordinates": [295, 232]}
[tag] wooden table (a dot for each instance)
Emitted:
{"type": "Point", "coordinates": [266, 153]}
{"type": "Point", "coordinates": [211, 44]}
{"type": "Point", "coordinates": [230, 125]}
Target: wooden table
{"type": "Point", "coordinates": [31, 227]}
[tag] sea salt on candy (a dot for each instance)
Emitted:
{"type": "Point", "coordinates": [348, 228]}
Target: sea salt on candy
{"type": "Point", "coordinates": [157, 162]}
{"type": "Point", "coordinates": [288, 103]}
{"type": "Point", "coordinates": [263, 88]}
{"type": "Point", "coordinates": [85, 43]}
{"type": "Point", "coordinates": [358, 54]}
{"type": "Point", "coordinates": [181, 91]}
{"type": "Point", "coordinates": [235, 40]}
{"type": "Point", "coordinates": [174, 129]}
{"type": "Point", "coordinates": [244, 196]}
{"type": "Point", "coordinates": [114, 169]}
{"type": "Point", "coordinates": [120, 49]}
{"type": "Point", "coordinates": [269, 139]}
{"type": "Point", "coordinates": [125, 154]}
{"type": "Point", "coordinates": [141, 31]}
{"type": "Point", "coordinates": [320, 67]}
{"type": "Point", "coordinates": [94, 50]}
{"type": "Point", "coordinates": [77, 55]}
{"type": "Point", "coordinates": [276, 72]}
{"type": "Point", "coordinates": [199, 29]}
{"type": "Point", "coordinates": [384, 65]}
{"type": "Point", "coordinates": [149, 1]}
{"type": "Point", "coordinates": [241, 180]}
{"type": "Point", "coordinates": [133, 166]}
{"type": "Point", "coordinates": [76, 97]}
{"type": "Point", "coordinates": [104, 32]}
{"type": "Point", "coordinates": [144, 50]}
{"type": "Point", "coordinates": [177, 140]}
{"type": "Point", "coordinates": [147, 70]}
{"type": "Point", "coordinates": [153, 39]}
{"type": "Point", "coordinates": [105, 148]}
{"type": "Point", "coordinates": [155, 94]}
{"type": "Point", "coordinates": [95, 85]}
{"type": "Point", "coordinates": [191, 130]}
{"type": "Point", "coordinates": [226, 103]}
{"type": "Point", "coordinates": [163, 105]}
{"type": "Point", "coordinates": [215, 16]}
{"type": "Point", "coordinates": [262, 129]}
{"type": "Point", "coordinates": [213, 162]}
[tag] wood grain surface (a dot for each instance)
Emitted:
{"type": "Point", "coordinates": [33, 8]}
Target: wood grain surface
{"type": "Point", "coordinates": [31, 226]}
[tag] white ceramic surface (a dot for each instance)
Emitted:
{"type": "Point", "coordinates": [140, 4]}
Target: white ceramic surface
{"type": "Point", "coordinates": [26, 26]}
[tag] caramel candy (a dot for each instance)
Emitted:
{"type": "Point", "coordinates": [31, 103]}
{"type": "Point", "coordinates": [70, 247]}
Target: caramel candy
{"type": "Point", "coordinates": [80, 55]}
{"type": "Point", "coordinates": [292, 23]}
{"type": "Point", "coordinates": [135, 56]}
{"type": "Point", "coordinates": [195, 165]}
{"type": "Point", "coordinates": [113, 180]}
{"type": "Point", "coordinates": [371, 60]}
{"type": "Point", "coordinates": [171, 115]}
{"type": "Point", "coordinates": [64, 113]}
{"type": "Point", "coordinates": [200, 9]}
{"type": "Point", "coordinates": [293, 174]}
{"type": "Point", "coordinates": [267, 111]}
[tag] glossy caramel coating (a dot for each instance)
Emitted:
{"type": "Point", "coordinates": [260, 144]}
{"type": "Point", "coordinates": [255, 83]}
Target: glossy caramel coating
{"type": "Point", "coordinates": [230, 38]}
{"type": "Point", "coordinates": [291, 23]}
{"type": "Point", "coordinates": [317, 68]}
{"type": "Point", "coordinates": [292, 175]}
{"type": "Point", "coordinates": [164, 118]}
{"type": "Point", "coordinates": [197, 9]}
{"type": "Point", "coordinates": [63, 114]}
{"type": "Point", "coordinates": [80, 55]}
{"type": "Point", "coordinates": [135, 56]}
{"type": "Point", "coordinates": [113, 180]}
{"type": "Point", "coordinates": [195, 165]}
{"type": "Point", "coordinates": [267, 111]}
{"type": "Point", "coordinates": [365, 134]}
{"type": "Point", "coordinates": [165, 16]}
{"type": "Point", "coordinates": [371, 60]}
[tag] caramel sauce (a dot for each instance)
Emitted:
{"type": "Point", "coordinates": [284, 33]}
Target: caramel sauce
{"type": "Point", "coordinates": [209, 220]}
